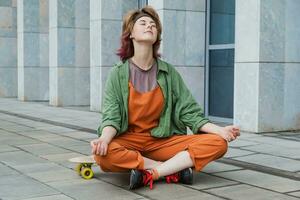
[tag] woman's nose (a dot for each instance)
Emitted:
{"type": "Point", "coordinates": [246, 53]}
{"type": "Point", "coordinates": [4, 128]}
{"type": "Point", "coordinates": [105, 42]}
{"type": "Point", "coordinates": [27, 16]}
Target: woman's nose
{"type": "Point", "coordinates": [149, 26]}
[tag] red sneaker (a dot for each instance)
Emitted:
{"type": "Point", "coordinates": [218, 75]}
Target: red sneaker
{"type": "Point", "coordinates": [139, 178]}
{"type": "Point", "coordinates": [172, 178]}
{"type": "Point", "coordinates": [185, 176]}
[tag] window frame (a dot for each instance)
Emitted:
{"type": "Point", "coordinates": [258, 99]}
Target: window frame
{"type": "Point", "coordinates": [209, 47]}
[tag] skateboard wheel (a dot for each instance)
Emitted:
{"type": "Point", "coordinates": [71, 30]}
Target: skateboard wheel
{"type": "Point", "coordinates": [78, 168]}
{"type": "Point", "coordinates": [87, 173]}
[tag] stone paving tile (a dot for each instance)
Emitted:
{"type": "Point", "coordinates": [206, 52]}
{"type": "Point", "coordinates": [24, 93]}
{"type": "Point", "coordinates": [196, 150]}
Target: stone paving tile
{"type": "Point", "coordinates": [5, 117]}
{"type": "Point", "coordinates": [35, 124]}
{"type": "Point", "coordinates": [11, 121]}
{"type": "Point", "coordinates": [7, 148]}
{"type": "Point", "coordinates": [294, 138]}
{"type": "Point", "coordinates": [119, 179]}
{"type": "Point", "coordinates": [43, 149]}
{"type": "Point", "coordinates": [92, 125]}
{"type": "Point", "coordinates": [5, 170]}
{"type": "Point", "coordinates": [231, 153]}
{"type": "Point", "coordinates": [215, 167]}
{"type": "Point", "coordinates": [18, 120]}
{"type": "Point", "coordinates": [272, 161]}
{"type": "Point", "coordinates": [275, 141]}
{"type": "Point", "coordinates": [7, 134]}
{"type": "Point", "coordinates": [276, 150]}
{"type": "Point", "coordinates": [241, 143]}
{"type": "Point", "coordinates": [246, 135]}
{"type": "Point", "coordinates": [21, 187]}
{"type": "Point", "coordinates": [205, 181]}
{"type": "Point", "coordinates": [38, 167]}
{"type": "Point", "coordinates": [19, 158]}
{"type": "Point", "coordinates": [89, 140]}
{"type": "Point", "coordinates": [284, 133]}
{"type": "Point", "coordinates": [82, 108]}
{"type": "Point", "coordinates": [45, 126]}
{"type": "Point", "coordinates": [83, 149]}
{"type": "Point", "coordinates": [61, 157]}
{"type": "Point", "coordinates": [67, 142]}
{"type": "Point", "coordinates": [52, 197]}
{"type": "Point", "coordinates": [81, 189]}
{"type": "Point", "coordinates": [2, 131]}
{"type": "Point", "coordinates": [80, 135]}
{"type": "Point", "coordinates": [263, 180]}
{"type": "Point", "coordinates": [246, 192]}
{"type": "Point", "coordinates": [270, 134]}
{"type": "Point", "coordinates": [56, 129]}
{"type": "Point", "coordinates": [164, 191]}
{"type": "Point", "coordinates": [31, 123]}
{"type": "Point", "coordinates": [38, 134]}
{"type": "Point", "coordinates": [54, 175]}
{"type": "Point", "coordinates": [15, 128]}
{"type": "Point", "coordinates": [15, 139]}
{"type": "Point", "coordinates": [296, 194]}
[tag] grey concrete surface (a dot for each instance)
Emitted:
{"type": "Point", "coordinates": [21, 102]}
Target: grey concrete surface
{"type": "Point", "coordinates": [36, 141]}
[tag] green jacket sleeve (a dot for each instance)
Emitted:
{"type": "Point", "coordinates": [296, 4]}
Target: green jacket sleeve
{"type": "Point", "coordinates": [188, 111]}
{"type": "Point", "coordinates": [110, 103]}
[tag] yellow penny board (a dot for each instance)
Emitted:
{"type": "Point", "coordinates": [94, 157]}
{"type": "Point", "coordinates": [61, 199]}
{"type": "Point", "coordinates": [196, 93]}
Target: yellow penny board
{"type": "Point", "coordinates": [84, 166]}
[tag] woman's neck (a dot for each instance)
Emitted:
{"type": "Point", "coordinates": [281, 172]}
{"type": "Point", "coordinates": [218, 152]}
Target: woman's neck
{"type": "Point", "coordinates": [143, 56]}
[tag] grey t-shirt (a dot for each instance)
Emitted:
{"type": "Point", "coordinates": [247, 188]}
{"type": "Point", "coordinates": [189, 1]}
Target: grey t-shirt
{"type": "Point", "coordinates": [143, 80]}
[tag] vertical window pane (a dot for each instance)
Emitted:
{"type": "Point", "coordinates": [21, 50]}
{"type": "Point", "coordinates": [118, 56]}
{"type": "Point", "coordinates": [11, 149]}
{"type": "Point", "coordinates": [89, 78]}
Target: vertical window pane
{"type": "Point", "coordinates": [222, 17]}
{"type": "Point", "coordinates": [221, 73]}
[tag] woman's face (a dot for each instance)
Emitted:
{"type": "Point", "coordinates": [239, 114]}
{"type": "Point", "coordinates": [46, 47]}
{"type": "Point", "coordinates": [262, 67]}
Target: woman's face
{"type": "Point", "coordinates": [144, 30]}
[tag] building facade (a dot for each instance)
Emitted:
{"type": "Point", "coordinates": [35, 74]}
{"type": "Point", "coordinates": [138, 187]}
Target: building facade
{"type": "Point", "coordinates": [240, 59]}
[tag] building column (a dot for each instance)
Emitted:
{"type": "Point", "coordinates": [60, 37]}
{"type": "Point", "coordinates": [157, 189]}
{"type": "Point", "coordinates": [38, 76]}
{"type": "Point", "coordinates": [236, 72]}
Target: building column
{"type": "Point", "coordinates": [33, 54]}
{"type": "Point", "coordinates": [69, 52]}
{"type": "Point", "coordinates": [183, 40]}
{"type": "Point", "coordinates": [267, 65]}
{"type": "Point", "coordinates": [106, 25]}
{"type": "Point", "coordinates": [8, 48]}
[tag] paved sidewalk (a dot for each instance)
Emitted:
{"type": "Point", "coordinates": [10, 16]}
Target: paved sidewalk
{"type": "Point", "coordinates": [36, 140]}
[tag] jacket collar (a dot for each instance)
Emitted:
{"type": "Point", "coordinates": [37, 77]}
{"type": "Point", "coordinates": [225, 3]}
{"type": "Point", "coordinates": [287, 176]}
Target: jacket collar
{"type": "Point", "coordinates": [162, 66]}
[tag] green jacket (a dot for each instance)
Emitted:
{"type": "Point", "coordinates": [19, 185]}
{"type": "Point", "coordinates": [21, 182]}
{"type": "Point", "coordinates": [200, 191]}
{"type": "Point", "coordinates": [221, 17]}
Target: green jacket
{"type": "Point", "coordinates": [180, 108]}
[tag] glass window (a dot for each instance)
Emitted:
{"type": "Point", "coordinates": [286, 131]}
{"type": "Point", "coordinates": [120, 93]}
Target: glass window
{"type": "Point", "coordinates": [221, 76]}
{"type": "Point", "coordinates": [222, 17]}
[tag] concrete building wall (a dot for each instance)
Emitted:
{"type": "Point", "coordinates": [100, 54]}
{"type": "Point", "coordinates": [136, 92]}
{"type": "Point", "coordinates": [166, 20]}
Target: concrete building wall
{"type": "Point", "coordinates": [8, 48]}
{"type": "Point", "coordinates": [69, 52]}
{"type": "Point", "coordinates": [267, 65]}
{"type": "Point", "coordinates": [33, 50]}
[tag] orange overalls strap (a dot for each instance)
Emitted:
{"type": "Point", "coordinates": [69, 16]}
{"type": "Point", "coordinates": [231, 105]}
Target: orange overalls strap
{"type": "Point", "coordinates": [144, 109]}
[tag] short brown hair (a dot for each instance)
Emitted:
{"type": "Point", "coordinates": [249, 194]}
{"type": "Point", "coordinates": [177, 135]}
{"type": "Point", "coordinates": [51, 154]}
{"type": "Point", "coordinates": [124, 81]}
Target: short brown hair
{"type": "Point", "coordinates": [126, 50]}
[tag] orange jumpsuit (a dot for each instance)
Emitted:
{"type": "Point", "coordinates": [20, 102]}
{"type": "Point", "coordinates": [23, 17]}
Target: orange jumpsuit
{"type": "Point", "coordinates": [126, 151]}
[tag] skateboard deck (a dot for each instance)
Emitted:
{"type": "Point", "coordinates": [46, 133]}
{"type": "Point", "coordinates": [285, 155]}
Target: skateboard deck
{"type": "Point", "coordinates": [84, 166]}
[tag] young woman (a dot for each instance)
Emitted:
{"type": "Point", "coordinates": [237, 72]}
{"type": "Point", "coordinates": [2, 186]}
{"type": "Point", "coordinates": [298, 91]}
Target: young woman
{"type": "Point", "coordinates": [146, 110]}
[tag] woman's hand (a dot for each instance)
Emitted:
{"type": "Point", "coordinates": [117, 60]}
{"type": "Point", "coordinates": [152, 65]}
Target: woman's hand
{"type": "Point", "coordinates": [99, 146]}
{"type": "Point", "coordinates": [229, 133]}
